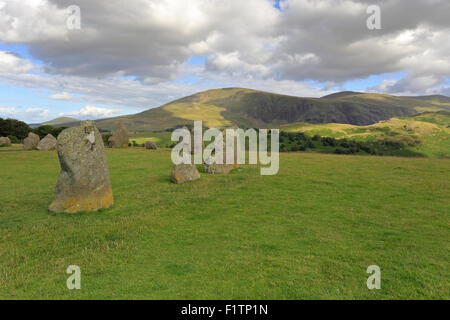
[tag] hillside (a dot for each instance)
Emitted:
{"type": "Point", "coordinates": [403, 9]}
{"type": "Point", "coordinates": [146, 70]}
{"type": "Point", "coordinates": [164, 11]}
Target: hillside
{"type": "Point", "coordinates": [427, 133]}
{"type": "Point", "coordinates": [250, 108]}
{"type": "Point", "coordinates": [58, 122]}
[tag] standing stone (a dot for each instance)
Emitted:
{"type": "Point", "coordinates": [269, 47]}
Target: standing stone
{"type": "Point", "coordinates": [31, 142]}
{"type": "Point", "coordinates": [150, 145]}
{"type": "Point", "coordinates": [215, 168]}
{"type": "Point", "coordinates": [120, 137]}
{"type": "Point", "coordinates": [83, 183]}
{"type": "Point", "coordinates": [5, 142]}
{"type": "Point", "coordinates": [224, 168]}
{"type": "Point", "coordinates": [48, 143]}
{"type": "Point", "coordinates": [182, 173]}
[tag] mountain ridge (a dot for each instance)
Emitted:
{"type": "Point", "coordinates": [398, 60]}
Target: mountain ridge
{"type": "Point", "coordinates": [245, 108]}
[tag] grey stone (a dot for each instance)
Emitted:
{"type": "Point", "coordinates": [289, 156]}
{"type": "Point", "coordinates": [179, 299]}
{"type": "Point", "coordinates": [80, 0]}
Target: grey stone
{"type": "Point", "coordinates": [5, 142]}
{"type": "Point", "coordinates": [48, 143]}
{"type": "Point", "coordinates": [120, 137]}
{"type": "Point", "coordinates": [83, 183]}
{"type": "Point", "coordinates": [182, 173]}
{"type": "Point", "coordinates": [31, 142]}
{"type": "Point", "coordinates": [214, 168]}
{"type": "Point", "coordinates": [150, 145]}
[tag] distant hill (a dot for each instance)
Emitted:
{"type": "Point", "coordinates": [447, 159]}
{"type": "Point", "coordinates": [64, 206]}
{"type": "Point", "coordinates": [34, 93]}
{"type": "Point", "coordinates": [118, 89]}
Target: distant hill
{"type": "Point", "coordinates": [341, 94]}
{"type": "Point", "coordinates": [58, 122]}
{"type": "Point", "coordinates": [435, 99]}
{"type": "Point", "coordinates": [231, 107]}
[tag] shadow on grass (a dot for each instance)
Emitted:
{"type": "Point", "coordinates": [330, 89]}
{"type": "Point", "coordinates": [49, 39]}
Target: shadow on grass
{"type": "Point", "coordinates": [80, 214]}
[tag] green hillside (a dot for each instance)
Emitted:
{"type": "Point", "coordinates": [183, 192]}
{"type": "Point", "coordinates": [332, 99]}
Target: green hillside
{"type": "Point", "coordinates": [61, 121]}
{"type": "Point", "coordinates": [250, 108]}
{"type": "Point", "coordinates": [427, 133]}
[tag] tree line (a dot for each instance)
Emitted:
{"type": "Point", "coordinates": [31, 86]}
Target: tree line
{"type": "Point", "coordinates": [17, 130]}
{"type": "Point", "coordinates": [299, 141]}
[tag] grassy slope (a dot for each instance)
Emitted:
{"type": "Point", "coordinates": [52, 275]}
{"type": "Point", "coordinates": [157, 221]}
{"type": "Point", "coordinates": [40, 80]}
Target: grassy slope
{"type": "Point", "coordinates": [162, 139]}
{"type": "Point", "coordinates": [250, 108]}
{"type": "Point", "coordinates": [60, 121]}
{"type": "Point", "coordinates": [308, 232]}
{"type": "Point", "coordinates": [432, 129]}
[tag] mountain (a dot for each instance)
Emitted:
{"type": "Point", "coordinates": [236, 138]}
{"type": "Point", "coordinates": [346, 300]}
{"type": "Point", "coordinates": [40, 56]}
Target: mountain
{"type": "Point", "coordinates": [435, 99]}
{"type": "Point", "coordinates": [58, 122]}
{"type": "Point", "coordinates": [246, 108]}
{"type": "Point", "coordinates": [341, 94]}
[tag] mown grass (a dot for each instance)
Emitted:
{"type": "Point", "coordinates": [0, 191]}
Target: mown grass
{"type": "Point", "coordinates": [309, 232]}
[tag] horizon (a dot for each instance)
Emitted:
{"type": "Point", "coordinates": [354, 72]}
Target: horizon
{"type": "Point", "coordinates": [56, 61]}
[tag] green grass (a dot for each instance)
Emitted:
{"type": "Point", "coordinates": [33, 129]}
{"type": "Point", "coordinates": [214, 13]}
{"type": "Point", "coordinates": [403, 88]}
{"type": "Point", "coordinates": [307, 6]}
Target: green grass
{"type": "Point", "coordinates": [309, 232]}
{"type": "Point", "coordinates": [211, 115]}
{"type": "Point", "coordinates": [162, 139]}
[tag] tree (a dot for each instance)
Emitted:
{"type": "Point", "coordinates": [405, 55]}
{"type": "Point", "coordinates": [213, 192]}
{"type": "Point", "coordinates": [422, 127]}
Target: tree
{"type": "Point", "coordinates": [44, 130]}
{"type": "Point", "coordinates": [12, 127]}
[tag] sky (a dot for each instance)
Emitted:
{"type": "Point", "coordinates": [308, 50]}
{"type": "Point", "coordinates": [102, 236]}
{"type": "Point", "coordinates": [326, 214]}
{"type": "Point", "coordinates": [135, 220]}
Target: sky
{"type": "Point", "coordinates": [129, 56]}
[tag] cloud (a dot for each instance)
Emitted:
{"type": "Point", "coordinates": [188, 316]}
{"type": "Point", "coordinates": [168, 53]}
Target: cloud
{"type": "Point", "coordinates": [90, 112]}
{"type": "Point", "coordinates": [135, 54]}
{"type": "Point", "coordinates": [149, 39]}
{"type": "Point", "coordinates": [28, 115]}
{"type": "Point", "coordinates": [10, 62]}
{"type": "Point", "coordinates": [61, 96]}
{"type": "Point", "coordinates": [335, 34]}
{"type": "Point", "coordinates": [129, 94]}
{"type": "Point", "coordinates": [31, 21]}
{"type": "Point", "coordinates": [410, 85]}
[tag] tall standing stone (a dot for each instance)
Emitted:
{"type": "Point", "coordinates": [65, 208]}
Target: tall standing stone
{"type": "Point", "coordinates": [5, 142]}
{"type": "Point", "coordinates": [120, 137]}
{"type": "Point", "coordinates": [48, 143]}
{"type": "Point", "coordinates": [83, 184]}
{"type": "Point", "coordinates": [31, 142]}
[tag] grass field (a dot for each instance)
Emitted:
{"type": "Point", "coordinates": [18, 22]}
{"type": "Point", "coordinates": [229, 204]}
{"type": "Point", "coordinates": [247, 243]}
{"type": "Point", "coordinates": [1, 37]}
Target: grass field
{"type": "Point", "coordinates": [309, 232]}
{"type": "Point", "coordinates": [162, 139]}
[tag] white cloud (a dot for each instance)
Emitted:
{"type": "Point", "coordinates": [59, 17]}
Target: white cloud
{"type": "Point", "coordinates": [61, 96]}
{"type": "Point", "coordinates": [28, 115]}
{"type": "Point", "coordinates": [32, 21]}
{"type": "Point", "coordinates": [10, 62]}
{"type": "Point", "coordinates": [90, 112]}
{"type": "Point", "coordinates": [149, 39]}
